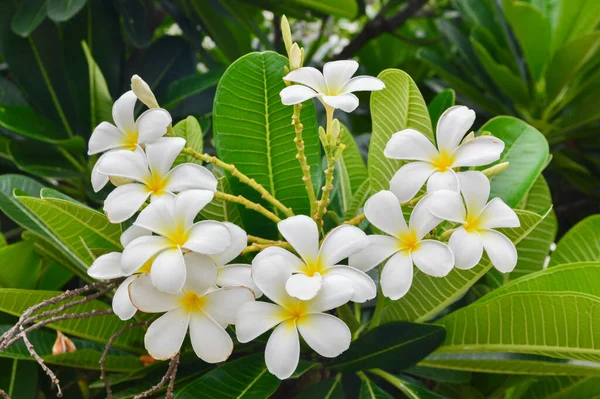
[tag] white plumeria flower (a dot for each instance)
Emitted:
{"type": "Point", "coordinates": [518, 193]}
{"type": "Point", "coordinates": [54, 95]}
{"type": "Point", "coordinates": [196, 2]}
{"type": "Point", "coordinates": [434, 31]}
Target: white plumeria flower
{"type": "Point", "coordinates": [325, 334]}
{"type": "Point", "coordinates": [205, 310]}
{"type": "Point", "coordinates": [149, 174]}
{"type": "Point", "coordinates": [309, 273]}
{"type": "Point", "coordinates": [436, 165]}
{"type": "Point", "coordinates": [108, 266]}
{"type": "Point", "coordinates": [333, 87]}
{"type": "Point", "coordinates": [173, 221]}
{"type": "Point", "coordinates": [405, 244]}
{"type": "Point", "coordinates": [478, 219]}
{"type": "Point", "coordinates": [128, 134]}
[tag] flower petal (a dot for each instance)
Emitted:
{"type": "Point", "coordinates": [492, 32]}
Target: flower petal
{"type": "Point", "coordinates": [478, 152]}
{"type": "Point", "coordinates": [140, 250]}
{"type": "Point", "coordinates": [201, 273]}
{"type": "Point", "coordinates": [325, 334]}
{"type": "Point", "coordinates": [223, 304]}
{"type": "Point", "coordinates": [287, 259]}
{"type": "Point", "coordinates": [383, 210]}
{"type": "Point", "coordinates": [363, 83]}
{"type": "Point", "coordinates": [208, 237]}
{"type": "Point", "coordinates": [162, 153]}
{"type": "Point", "coordinates": [296, 94]}
{"type": "Point", "coordinates": [379, 249]}
{"type": "Point", "coordinates": [497, 214]}
{"type": "Point", "coordinates": [106, 267]}
{"type": "Point", "coordinates": [363, 286]}
{"type": "Point", "coordinates": [166, 334]}
{"type": "Point", "coordinates": [132, 233]}
{"type": "Point", "coordinates": [303, 287]}
{"type": "Point", "coordinates": [307, 76]}
{"type": "Point", "coordinates": [124, 163]}
{"type": "Point", "coordinates": [447, 205]}
{"type": "Point", "coordinates": [209, 340]}
{"type": "Point", "coordinates": [156, 217]}
{"type": "Point", "coordinates": [283, 350]}
{"type": "Point", "coordinates": [422, 221]}
{"type": "Point", "coordinates": [467, 248]}
{"type": "Point", "coordinates": [124, 201]}
{"type": "Point", "coordinates": [148, 299]}
{"type": "Point", "coordinates": [121, 303]}
{"type": "Point", "coordinates": [447, 180]}
{"type": "Point", "coordinates": [342, 242]}
{"type": "Point", "coordinates": [409, 179]}
{"type": "Point", "coordinates": [500, 250]}
{"type": "Point", "coordinates": [239, 239]}
{"type": "Point", "coordinates": [152, 125]}
{"type": "Point", "coordinates": [302, 234]}
{"type": "Point", "coordinates": [433, 258]}
{"type": "Point", "coordinates": [189, 176]}
{"type": "Point", "coordinates": [270, 277]}
{"type": "Point", "coordinates": [397, 276]}
{"type": "Point", "coordinates": [346, 102]}
{"type": "Point", "coordinates": [475, 188]}
{"type": "Point", "coordinates": [168, 271]}
{"type": "Point", "coordinates": [411, 145]}
{"type": "Point", "coordinates": [452, 126]}
{"type": "Point", "coordinates": [338, 73]}
{"type": "Point", "coordinates": [105, 137]}
{"type": "Point", "coordinates": [237, 275]}
{"type": "Point", "coordinates": [336, 290]}
{"type": "Point", "coordinates": [122, 112]}
{"type": "Point", "coordinates": [189, 203]}
{"type": "Point", "coordinates": [255, 318]}
{"type": "Point", "coordinates": [98, 179]}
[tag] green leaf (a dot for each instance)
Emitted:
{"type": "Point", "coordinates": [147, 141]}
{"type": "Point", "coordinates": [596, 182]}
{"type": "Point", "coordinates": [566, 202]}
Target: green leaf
{"type": "Point", "coordinates": [413, 389]}
{"type": "Point", "coordinates": [61, 10]}
{"type": "Point", "coordinates": [449, 376]}
{"type": "Point", "coordinates": [10, 94]}
{"type": "Point", "coordinates": [54, 276]}
{"type": "Point", "coordinates": [586, 13]}
{"type": "Point", "coordinates": [135, 22]}
{"type": "Point", "coordinates": [368, 390]}
{"type": "Point", "coordinates": [190, 130]}
{"type": "Point", "coordinates": [563, 388]}
{"type": "Point", "coordinates": [253, 131]}
{"type": "Point", "coordinates": [19, 379]}
{"type": "Point", "coordinates": [325, 389]}
{"type": "Point", "coordinates": [191, 85]}
{"type": "Point", "coordinates": [482, 14]}
{"type": "Point", "coordinates": [247, 377]}
{"type": "Point", "coordinates": [20, 266]}
{"type": "Point", "coordinates": [441, 102]}
{"type": "Point", "coordinates": [399, 106]}
{"type": "Point", "coordinates": [51, 248]}
{"type": "Point", "coordinates": [358, 199]}
{"type": "Point", "coordinates": [219, 209]}
{"type": "Point", "coordinates": [10, 206]}
{"type": "Point", "coordinates": [393, 346]}
{"type": "Point", "coordinates": [100, 100]}
{"type": "Point", "coordinates": [41, 159]}
{"type": "Point", "coordinates": [581, 243]}
{"type": "Point", "coordinates": [351, 174]}
{"type": "Point", "coordinates": [339, 8]}
{"type": "Point", "coordinates": [29, 15]}
{"type": "Point", "coordinates": [526, 150]}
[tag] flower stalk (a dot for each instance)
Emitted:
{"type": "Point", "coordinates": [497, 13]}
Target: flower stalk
{"type": "Point", "coordinates": [239, 199]}
{"type": "Point", "coordinates": [301, 157]}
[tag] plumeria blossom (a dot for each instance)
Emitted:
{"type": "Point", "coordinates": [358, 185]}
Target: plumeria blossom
{"type": "Point", "coordinates": [108, 266]}
{"type": "Point", "coordinates": [333, 87]}
{"type": "Point", "coordinates": [436, 165]}
{"type": "Point", "coordinates": [199, 307]}
{"type": "Point", "coordinates": [148, 174]}
{"type": "Point", "coordinates": [128, 133]}
{"type": "Point", "coordinates": [308, 274]}
{"type": "Point", "coordinates": [405, 244]}
{"type": "Point", "coordinates": [478, 219]}
{"type": "Point", "coordinates": [324, 333]}
{"type": "Point", "coordinates": [173, 221]}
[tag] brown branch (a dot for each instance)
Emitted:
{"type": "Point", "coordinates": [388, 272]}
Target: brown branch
{"type": "Point", "coordinates": [171, 388]}
{"type": "Point", "coordinates": [40, 361]}
{"type": "Point", "coordinates": [170, 374]}
{"type": "Point", "coordinates": [4, 394]}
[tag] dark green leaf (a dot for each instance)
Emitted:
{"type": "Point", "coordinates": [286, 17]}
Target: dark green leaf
{"type": "Point", "coordinates": [100, 99]}
{"type": "Point", "coordinates": [441, 102]}
{"type": "Point", "coordinates": [10, 206]}
{"type": "Point", "coordinates": [191, 85]}
{"type": "Point", "coordinates": [19, 266]}
{"type": "Point", "coordinates": [135, 22]}
{"type": "Point", "coordinates": [63, 10]}
{"type": "Point", "coordinates": [29, 16]}
{"type": "Point", "coordinates": [368, 390]}
{"type": "Point", "coordinates": [439, 375]}
{"type": "Point", "coordinates": [19, 379]}
{"type": "Point", "coordinates": [340, 8]}
{"type": "Point", "coordinates": [324, 389]}
{"type": "Point", "coordinates": [42, 160]}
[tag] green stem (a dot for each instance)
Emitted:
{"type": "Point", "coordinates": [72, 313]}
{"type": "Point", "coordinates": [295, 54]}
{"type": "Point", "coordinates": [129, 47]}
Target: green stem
{"type": "Point", "coordinates": [393, 380]}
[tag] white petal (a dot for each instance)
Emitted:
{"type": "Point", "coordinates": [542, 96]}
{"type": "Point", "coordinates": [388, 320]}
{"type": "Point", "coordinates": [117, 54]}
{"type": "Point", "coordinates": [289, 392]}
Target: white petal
{"type": "Point", "coordinates": [433, 258]}
{"type": "Point", "coordinates": [124, 163]}
{"type": "Point", "coordinates": [303, 287]}
{"type": "Point", "coordinates": [411, 145]}
{"type": "Point", "coordinates": [447, 180]}
{"type": "Point", "coordinates": [239, 239]}
{"type": "Point", "coordinates": [270, 275]}
{"type": "Point", "coordinates": [307, 76]}
{"type": "Point", "coordinates": [478, 152]}
{"type": "Point", "coordinates": [452, 126]}
{"type": "Point", "coordinates": [132, 233]}
{"type": "Point", "coordinates": [409, 179]}
{"type": "Point", "coordinates": [223, 304]}
{"type": "Point", "coordinates": [497, 214]}
{"type": "Point", "coordinates": [124, 201]}
{"type": "Point", "coordinates": [237, 275]}
{"type": "Point", "coordinates": [165, 335]}
{"type": "Point", "coordinates": [363, 286]}
{"type": "Point", "coordinates": [105, 137]}
{"type": "Point", "coordinates": [283, 350]}
{"type": "Point", "coordinates": [168, 271]}
{"type": "Point", "coordinates": [189, 176]}
{"type": "Point", "coordinates": [296, 94]}
{"type": "Point", "coordinates": [189, 203]}
{"type": "Point", "coordinates": [346, 102]}
{"type": "Point", "coordinates": [500, 250]}
{"type": "Point", "coordinates": [121, 303]}
{"type": "Point", "coordinates": [152, 125]}
{"type": "Point", "coordinates": [342, 242]}
{"type": "Point", "coordinates": [302, 234]}
{"type": "Point", "coordinates": [383, 210]}
{"type": "Point", "coordinates": [338, 73]}
{"type": "Point", "coordinates": [140, 250]}
{"type": "Point", "coordinates": [255, 318]}
{"type": "Point", "coordinates": [475, 188]}
{"type": "Point", "coordinates": [397, 276]}
{"type": "Point", "coordinates": [201, 273]}
{"type": "Point", "coordinates": [148, 299]}
{"type": "Point", "coordinates": [363, 83]}
{"type": "Point", "coordinates": [208, 237]}
{"type": "Point", "coordinates": [422, 221]}
{"type": "Point", "coordinates": [447, 205]}
{"type": "Point", "coordinates": [162, 153]}
{"type": "Point", "coordinates": [122, 112]}
{"type": "Point", "coordinates": [287, 259]}
{"type": "Point", "coordinates": [156, 217]}
{"type": "Point", "coordinates": [467, 248]}
{"type": "Point", "coordinates": [106, 267]}
{"type": "Point", "coordinates": [336, 290]}
{"type": "Point", "coordinates": [379, 249]}
{"type": "Point", "coordinates": [98, 179]}
{"type": "Point", "coordinates": [325, 334]}
{"type": "Point", "coordinates": [209, 340]}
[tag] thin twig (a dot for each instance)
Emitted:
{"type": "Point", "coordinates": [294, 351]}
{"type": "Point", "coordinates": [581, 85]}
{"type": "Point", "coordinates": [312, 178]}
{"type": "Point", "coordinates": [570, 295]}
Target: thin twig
{"type": "Point", "coordinates": [356, 220]}
{"type": "Point", "coordinates": [256, 247]}
{"type": "Point", "coordinates": [239, 199]}
{"type": "Point", "coordinates": [40, 361]}
{"type": "Point", "coordinates": [172, 368]}
{"type": "Point", "coordinates": [171, 387]}
{"type": "Point", "coordinates": [4, 394]}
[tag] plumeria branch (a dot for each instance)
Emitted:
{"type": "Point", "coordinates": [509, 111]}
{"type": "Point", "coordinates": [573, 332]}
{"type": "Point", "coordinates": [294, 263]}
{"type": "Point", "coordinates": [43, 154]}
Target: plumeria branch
{"type": "Point", "coordinates": [356, 220]}
{"type": "Point", "coordinates": [332, 157]}
{"type": "Point", "coordinates": [169, 376]}
{"type": "Point", "coordinates": [4, 394]}
{"type": "Point", "coordinates": [256, 247]}
{"type": "Point", "coordinates": [40, 361]}
{"type": "Point", "coordinates": [301, 157]}
{"type": "Point", "coordinates": [239, 199]}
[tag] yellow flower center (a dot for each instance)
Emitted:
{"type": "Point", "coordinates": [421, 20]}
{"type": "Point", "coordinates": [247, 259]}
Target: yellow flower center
{"type": "Point", "coordinates": [156, 184]}
{"type": "Point", "coordinates": [130, 140]}
{"type": "Point", "coordinates": [443, 161]}
{"type": "Point", "coordinates": [191, 301]}
{"type": "Point", "coordinates": [294, 309]}
{"type": "Point", "coordinates": [312, 267]}
{"type": "Point", "coordinates": [473, 223]}
{"type": "Point", "coordinates": [408, 241]}
{"type": "Point", "coordinates": [179, 235]}
{"type": "Point", "coordinates": [146, 267]}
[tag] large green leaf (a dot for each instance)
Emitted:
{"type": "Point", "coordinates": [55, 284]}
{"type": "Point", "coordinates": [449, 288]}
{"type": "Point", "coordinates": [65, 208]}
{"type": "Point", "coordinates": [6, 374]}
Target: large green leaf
{"type": "Point", "coordinates": [581, 243]}
{"type": "Point", "coordinates": [10, 206]}
{"type": "Point", "coordinates": [61, 10]}
{"type": "Point", "coordinates": [19, 379]}
{"type": "Point", "coordinates": [575, 18]}
{"type": "Point", "coordinates": [428, 295]}
{"type": "Point", "coordinates": [527, 151]}
{"type": "Point", "coordinates": [253, 131]}
{"type": "Point", "coordinates": [339, 8]}
{"type": "Point", "coordinates": [399, 106]}
{"type": "Point", "coordinates": [19, 266]}
{"type": "Point", "coordinates": [393, 346]}
{"type": "Point", "coordinates": [369, 390]}
{"type": "Point", "coordinates": [191, 85]}
{"type": "Point", "coordinates": [40, 159]}
{"type": "Point", "coordinates": [440, 103]}
{"type": "Point", "coordinates": [563, 388]}
{"type": "Point", "coordinates": [29, 16]}
{"type": "Point", "coordinates": [135, 21]}
{"type": "Point", "coordinates": [325, 389]}
{"type": "Point", "coordinates": [100, 99]}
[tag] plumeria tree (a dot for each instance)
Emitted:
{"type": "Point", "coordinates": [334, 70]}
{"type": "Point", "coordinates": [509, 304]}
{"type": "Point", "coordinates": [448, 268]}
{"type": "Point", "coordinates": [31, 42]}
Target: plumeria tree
{"type": "Point", "coordinates": [426, 265]}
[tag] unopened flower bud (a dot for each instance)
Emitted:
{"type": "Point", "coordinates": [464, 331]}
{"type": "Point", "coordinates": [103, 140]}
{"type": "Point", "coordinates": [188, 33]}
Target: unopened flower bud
{"type": "Point", "coordinates": [143, 92]}
{"type": "Point", "coordinates": [62, 344]}
{"type": "Point", "coordinates": [496, 169]}
{"type": "Point", "coordinates": [286, 32]}
{"type": "Point", "coordinates": [323, 136]}
{"type": "Point", "coordinates": [335, 132]}
{"type": "Point", "coordinates": [295, 57]}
